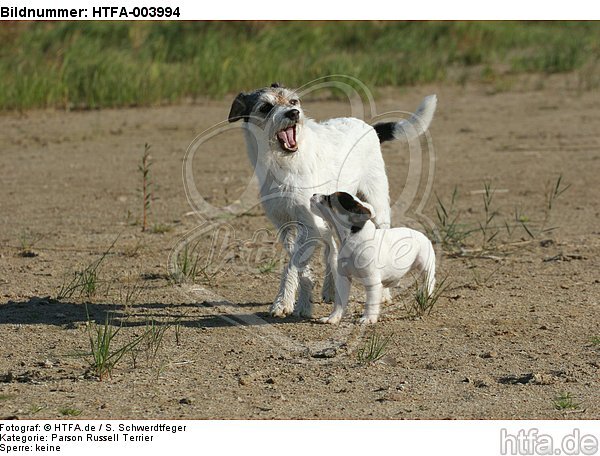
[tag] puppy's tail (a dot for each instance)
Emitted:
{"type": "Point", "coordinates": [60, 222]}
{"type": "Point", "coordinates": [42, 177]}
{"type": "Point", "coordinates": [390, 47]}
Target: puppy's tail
{"type": "Point", "coordinates": [410, 128]}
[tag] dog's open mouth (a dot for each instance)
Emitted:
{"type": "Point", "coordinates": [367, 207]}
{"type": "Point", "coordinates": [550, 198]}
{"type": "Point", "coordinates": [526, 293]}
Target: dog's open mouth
{"type": "Point", "coordinates": [287, 139]}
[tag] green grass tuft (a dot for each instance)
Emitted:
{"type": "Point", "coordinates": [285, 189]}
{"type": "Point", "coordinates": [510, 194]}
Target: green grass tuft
{"type": "Point", "coordinates": [374, 349]}
{"type": "Point", "coordinates": [423, 302]}
{"type": "Point", "coordinates": [70, 411]}
{"type": "Point", "coordinates": [104, 355]}
{"type": "Point", "coordinates": [565, 401]}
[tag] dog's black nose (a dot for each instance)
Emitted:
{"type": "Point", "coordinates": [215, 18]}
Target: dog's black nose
{"type": "Point", "coordinates": [293, 114]}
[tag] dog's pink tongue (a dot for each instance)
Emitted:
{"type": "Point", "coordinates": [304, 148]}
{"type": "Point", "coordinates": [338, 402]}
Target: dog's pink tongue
{"type": "Point", "coordinates": [288, 136]}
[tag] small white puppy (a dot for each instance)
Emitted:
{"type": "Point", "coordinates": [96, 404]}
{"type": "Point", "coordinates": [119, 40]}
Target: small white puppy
{"type": "Point", "coordinates": [377, 257]}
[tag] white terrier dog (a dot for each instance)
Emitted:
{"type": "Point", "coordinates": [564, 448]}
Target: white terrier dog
{"type": "Point", "coordinates": [377, 257]}
{"type": "Point", "coordinates": [294, 156]}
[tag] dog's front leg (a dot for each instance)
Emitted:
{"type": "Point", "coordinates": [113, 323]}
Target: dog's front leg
{"type": "Point", "coordinates": [300, 248]}
{"type": "Point", "coordinates": [374, 294]}
{"type": "Point", "coordinates": [284, 301]}
{"type": "Point", "coordinates": [343, 285]}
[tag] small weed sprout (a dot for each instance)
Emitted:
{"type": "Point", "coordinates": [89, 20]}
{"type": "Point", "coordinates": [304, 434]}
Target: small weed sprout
{"type": "Point", "coordinates": [69, 411]}
{"type": "Point", "coordinates": [153, 337]}
{"type": "Point", "coordinates": [374, 349]}
{"type": "Point", "coordinates": [133, 251]}
{"type": "Point", "coordinates": [27, 242]}
{"type": "Point", "coordinates": [129, 291]}
{"type": "Point", "coordinates": [451, 233]}
{"type": "Point", "coordinates": [565, 401]}
{"type": "Point", "coordinates": [268, 266]}
{"type": "Point", "coordinates": [84, 282]}
{"type": "Point", "coordinates": [103, 354]}
{"type": "Point", "coordinates": [522, 220]}
{"type": "Point", "coordinates": [160, 228]}
{"type": "Point", "coordinates": [144, 169]}
{"type": "Point", "coordinates": [36, 409]}
{"type": "Point", "coordinates": [553, 192]}
{"type": "Point", "coordinates": [188, 267]}
{"type": "Point", "coordinates": [488, 232]}
{"type": "Point", "coordinates": [423, 302]}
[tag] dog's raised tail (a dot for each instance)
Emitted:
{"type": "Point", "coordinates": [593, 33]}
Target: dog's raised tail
{"type": "Point", "coordinates": [411, 128]}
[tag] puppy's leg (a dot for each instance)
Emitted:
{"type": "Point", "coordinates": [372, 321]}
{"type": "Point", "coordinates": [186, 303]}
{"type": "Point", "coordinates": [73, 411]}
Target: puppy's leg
{"type": "Point", "coordinates": [284, 301]}
{"type": "Point", "coordinates": [374, 294]}
{"type": "Point", "coordinates": [330, 256]}
{"type": "Point", "coordinates": [342, 295]}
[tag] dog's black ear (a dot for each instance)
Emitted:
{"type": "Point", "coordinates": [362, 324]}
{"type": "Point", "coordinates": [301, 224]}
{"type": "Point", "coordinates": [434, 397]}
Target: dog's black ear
{"type": "Point", "coordinates": [240, 108]}
{"type": "Point", "coordinates": [275, 85]}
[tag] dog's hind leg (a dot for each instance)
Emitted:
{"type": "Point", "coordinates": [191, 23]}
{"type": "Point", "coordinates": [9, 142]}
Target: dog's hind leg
{"type": "Point", "coordinates": [330, 253]}
{"type": "Point", "coordinates": [304, 306]}
{"type": "Point", "coordinates": [375, 191]}
{"type": "Point", "coordinates": [305, 248]}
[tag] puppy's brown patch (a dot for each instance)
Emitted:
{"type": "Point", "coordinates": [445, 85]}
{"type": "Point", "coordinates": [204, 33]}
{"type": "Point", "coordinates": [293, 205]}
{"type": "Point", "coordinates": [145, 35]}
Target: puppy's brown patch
{"type": "Point", "coordinates": [348, 203]}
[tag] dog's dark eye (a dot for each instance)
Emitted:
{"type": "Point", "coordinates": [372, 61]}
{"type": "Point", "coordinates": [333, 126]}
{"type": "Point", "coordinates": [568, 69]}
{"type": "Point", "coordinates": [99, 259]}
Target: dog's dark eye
{"type": "Point", "coordinates": [294, 102]}
{"type": "Point", "coordinates": [266, 108]}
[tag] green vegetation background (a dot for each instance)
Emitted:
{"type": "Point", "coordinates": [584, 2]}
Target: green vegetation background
{"type": "Point", "coordinates": [107, 64]}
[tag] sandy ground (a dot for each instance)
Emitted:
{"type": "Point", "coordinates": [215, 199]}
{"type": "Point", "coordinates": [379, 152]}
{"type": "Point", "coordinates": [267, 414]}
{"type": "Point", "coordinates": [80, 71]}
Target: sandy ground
{"type": "Point", "coordinates": [515, 328]}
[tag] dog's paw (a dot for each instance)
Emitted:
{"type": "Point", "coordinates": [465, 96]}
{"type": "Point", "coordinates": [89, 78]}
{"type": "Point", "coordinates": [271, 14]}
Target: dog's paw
{"type": "Point", "coordinates": [386, 297]}
{"type": "Point", "coordinates": [303, 310]}
{"type": "Point", "coordinates": [368, 319]}
{"type": "Point", "coordinates": [279, 309]}
{"type": "Point", "coordinates": [332, 319]}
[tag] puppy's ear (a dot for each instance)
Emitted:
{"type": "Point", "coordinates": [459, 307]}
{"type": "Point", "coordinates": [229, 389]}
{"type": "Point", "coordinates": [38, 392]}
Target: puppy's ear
{"type": "Point", "coordinates": [240, 108]}
{"type": "Point", "coordinates": [275, 85]}
{"type": "Point", "coordinates": [360, 214]}
{"type": "Point", "coordinates": [358, 211]}
{"type": "Point", "coordinates": [367, 209]}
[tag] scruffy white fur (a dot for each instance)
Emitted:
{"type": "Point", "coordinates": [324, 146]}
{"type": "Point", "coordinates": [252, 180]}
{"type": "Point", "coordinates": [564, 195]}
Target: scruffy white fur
{"type": "Point", "coordinates": [337, 154]}
{"type": "Point", "coordinates": [376, 257]}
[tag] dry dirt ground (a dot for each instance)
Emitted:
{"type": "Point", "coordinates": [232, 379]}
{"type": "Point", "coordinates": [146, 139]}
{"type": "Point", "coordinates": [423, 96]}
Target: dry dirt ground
{"type": "Point", "coordinates": [516, 327]}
